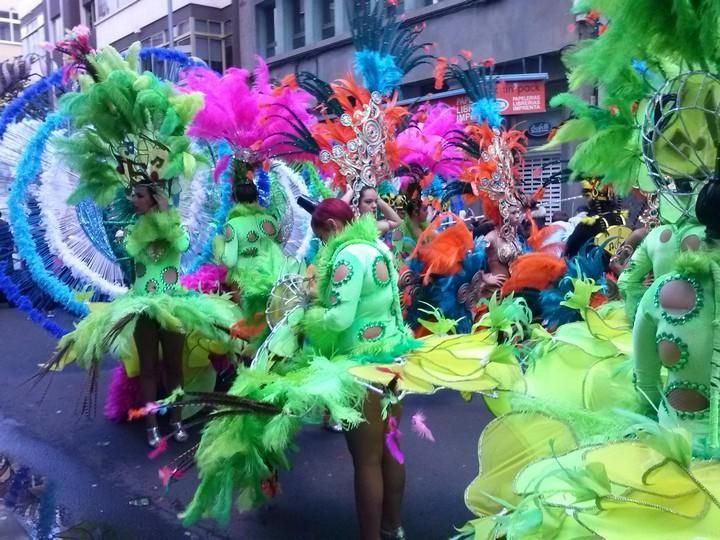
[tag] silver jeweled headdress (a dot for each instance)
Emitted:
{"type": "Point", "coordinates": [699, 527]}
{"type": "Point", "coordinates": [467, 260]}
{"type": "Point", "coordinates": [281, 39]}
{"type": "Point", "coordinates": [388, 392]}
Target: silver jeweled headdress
{"type": "Point", "coordinates": [363, 159]}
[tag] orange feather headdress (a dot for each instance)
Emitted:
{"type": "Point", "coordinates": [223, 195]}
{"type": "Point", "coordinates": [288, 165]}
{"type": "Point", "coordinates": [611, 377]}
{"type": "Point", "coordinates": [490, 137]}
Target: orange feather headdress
{"type": "Point", "coordinates": [358, 147]}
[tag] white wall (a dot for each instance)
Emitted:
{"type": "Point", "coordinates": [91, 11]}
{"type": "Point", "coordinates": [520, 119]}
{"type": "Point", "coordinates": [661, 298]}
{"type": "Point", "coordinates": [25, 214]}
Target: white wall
{"type": "Point", "coordinates": [23, 7]}
{"type": "Point", "coordinates": [140, 13]}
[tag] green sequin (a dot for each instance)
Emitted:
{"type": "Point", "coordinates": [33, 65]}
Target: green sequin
{"type": "Point", "coordinates": [347, 277]}
{"type": "Point", "coordinates": [369, 326]}
{"type": "Point", "coordinates": [698, 387]}
{"type": "Point", "coordinates": [684, 354]}
{"type": "Point", "coordinates": [268, 227]}
{"type": "Point", "coordinates": [151, 286]}
{"type": "Point", "coordinates": [699, 300]}
{"type": "Point", "coordinates": [379, 282]}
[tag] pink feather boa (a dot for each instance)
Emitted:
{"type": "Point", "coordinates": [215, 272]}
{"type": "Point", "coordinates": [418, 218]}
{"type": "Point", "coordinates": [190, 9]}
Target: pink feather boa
{"type": "Point", "coordinates": [123, 395]}
{"type": "Point", "coordinates": [209, 279]}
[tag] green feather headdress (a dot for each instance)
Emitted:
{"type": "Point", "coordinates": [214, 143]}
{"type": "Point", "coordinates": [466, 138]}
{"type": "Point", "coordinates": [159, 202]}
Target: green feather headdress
{"type": "Point", "coordinates": [129, 128]}
{"type": "Point", "coordinates": [646, 43]}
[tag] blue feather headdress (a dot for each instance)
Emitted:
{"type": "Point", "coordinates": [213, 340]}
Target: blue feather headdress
{"type": "Point", "coordinates": [479, 82]}
{"type": "Point", "coordinates": [385, 46]}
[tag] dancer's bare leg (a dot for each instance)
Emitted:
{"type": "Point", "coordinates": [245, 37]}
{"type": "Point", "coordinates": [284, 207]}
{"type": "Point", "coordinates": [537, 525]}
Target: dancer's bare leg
{"type": "Point", "coordinates": [172, 347]}
{"type": "Point", "coordinates": [147, 338]}
{"type": "Point", "coordinates": [366, 443]}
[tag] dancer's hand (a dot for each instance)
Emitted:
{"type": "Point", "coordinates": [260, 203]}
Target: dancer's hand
{"type": "Point", "coordinates": [162, 202]}
{"type": "Point", "coordinates": [494, 280]}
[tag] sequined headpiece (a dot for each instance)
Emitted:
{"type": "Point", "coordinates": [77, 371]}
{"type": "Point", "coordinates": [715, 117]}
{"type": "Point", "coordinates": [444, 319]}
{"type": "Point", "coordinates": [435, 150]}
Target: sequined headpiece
{"type": "Point", "coordinates": [140, 162]}
{"type": "Point", "coordinates": [594, 189]}
{"type": "Point", "coordinates": [501, 184]}
{"type": "Point", "coordinates": [362, 160]}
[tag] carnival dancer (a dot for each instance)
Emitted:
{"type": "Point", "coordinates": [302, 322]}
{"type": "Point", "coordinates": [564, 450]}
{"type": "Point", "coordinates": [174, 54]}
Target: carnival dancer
{"type": "Point", "coordinates": [142, 153]}
{"type": "Point", "coordinates": [605, 219]}
{"type": "Point", "coordinates": [355, 322]}
{"type": "Point", "coordinates": [245, 111]}
{"type": "Point", "coordinates": [495, 154]}
{"type": "Point", "coordinates": [614, 474]}
{"type": "Point", "coordinates": [356, 283]}
{"type": "Point", "coordinates": [404, 239]}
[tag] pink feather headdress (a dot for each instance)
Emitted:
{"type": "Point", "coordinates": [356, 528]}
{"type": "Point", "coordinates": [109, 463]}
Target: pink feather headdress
{"type": "Point", "coordinates": [246, 112]}
{"type": "Point", "coordinates": [424, 147]}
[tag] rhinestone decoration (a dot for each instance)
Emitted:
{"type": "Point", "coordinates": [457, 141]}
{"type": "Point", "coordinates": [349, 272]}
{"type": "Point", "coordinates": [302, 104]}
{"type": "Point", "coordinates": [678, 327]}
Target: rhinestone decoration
{"type": "Point", "coordinates": [697, 387]}
{"type": "Point", "coordinates": [362, 161]}
{"type": "Point", "coordinates": [684, 354]}
{"type": "Point", "coordinates": [685, 317]}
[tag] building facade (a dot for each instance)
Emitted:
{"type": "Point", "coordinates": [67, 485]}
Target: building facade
{"type": "Point", "coordinates": [46, 21]}
{"type": "Point", "coordinates": [203, 29]}
{"type": "Point", "coordinates": [525, 38]}
{"type": "Point", "coordinates": [10, 46]}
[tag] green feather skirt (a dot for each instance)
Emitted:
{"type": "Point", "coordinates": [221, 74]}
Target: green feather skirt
{"type": "Point", "coordinates": [109, 327]}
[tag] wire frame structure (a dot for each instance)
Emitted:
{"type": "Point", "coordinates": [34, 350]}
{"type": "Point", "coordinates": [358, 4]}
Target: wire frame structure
{"type": "Point", "coordinates": [287, 294]}
{"type": "Point", "coordinates": [681, 137]}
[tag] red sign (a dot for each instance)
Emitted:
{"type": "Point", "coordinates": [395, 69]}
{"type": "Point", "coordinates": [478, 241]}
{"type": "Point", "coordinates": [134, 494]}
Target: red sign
{"type": "Point", "coordinates": [514, 97]}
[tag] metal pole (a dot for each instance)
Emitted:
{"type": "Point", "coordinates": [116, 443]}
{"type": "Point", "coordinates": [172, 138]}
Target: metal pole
{"type": "Point", "coordinates": [170, 24]}
{"type": "Point", "coordinates": [49, 56]}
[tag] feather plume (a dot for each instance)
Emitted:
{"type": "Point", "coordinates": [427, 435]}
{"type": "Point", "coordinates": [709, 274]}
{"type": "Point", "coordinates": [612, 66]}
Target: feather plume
{"type": "Point", "coordinates": [392, 440]}
{"type": "Point", "coordinates": [441, 64]}
{"type": "Point", "coordinates": [379, 71]}
{"type": "Point", "coordinates": [424, 142]}
{"type": "Point", "coordinates": [534, 271]}
{"type": "Point", "coordinates": [220, 167]}
{"type": "Point", "coordinates": [161, 448]}
{"type": "Point", "coordinates": [386, 45]}
{"type": "Point", "coordinates": [247, 112]}
{"type": "Point", "coordinates": [420, 427]}
{"type": "Point", "coordinates": [446, 250]}
{"type": "Point", "coordinates": [117, 329]}
{"type": "Point", "coordinates": [123, 395]}
{"type": "Point", "coordinates": [209, 278]}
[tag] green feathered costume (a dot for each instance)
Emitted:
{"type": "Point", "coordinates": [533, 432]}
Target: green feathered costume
{"type": "Point", "coordinates": [250, 249]}
{"type": "Point", "coordinates": [356, 319]}
{"type": "Point", "coordinates": [632, 477]}
{"type": "Point", "coordinates": [646, 43]}
{"type": "Point", "coordinates": [129, 128]}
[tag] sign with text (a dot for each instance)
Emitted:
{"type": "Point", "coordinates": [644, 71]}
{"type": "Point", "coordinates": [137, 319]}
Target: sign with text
{"type": "Point", "coordinates": [514, 97]}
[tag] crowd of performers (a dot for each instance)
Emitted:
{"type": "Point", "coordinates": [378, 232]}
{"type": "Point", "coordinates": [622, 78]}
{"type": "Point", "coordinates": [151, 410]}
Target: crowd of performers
{"type": "Point", "coordinates": [312, 239]}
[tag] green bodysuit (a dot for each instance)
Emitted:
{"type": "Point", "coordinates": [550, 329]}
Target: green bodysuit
{"type": "Point", "coordinates": [675, 327]}
{"type": "Point", "coordinates": [155, 242]}
{"type": "Point", "coordinates": [249, 248]}
{"type": "Point", "coordinates": [656, 256]}
{"type": "Point", "coordinates": [358, 309]}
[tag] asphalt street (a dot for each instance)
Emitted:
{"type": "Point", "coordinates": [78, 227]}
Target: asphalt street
{"type": "Point", "coordinates": [101, 472]}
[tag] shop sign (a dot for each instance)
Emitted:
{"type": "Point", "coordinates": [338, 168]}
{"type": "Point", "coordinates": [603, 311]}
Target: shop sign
{"type": "Point", "coordinates": [513, 97]}
{"type": "Point", "coordinates": [539, 129]}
